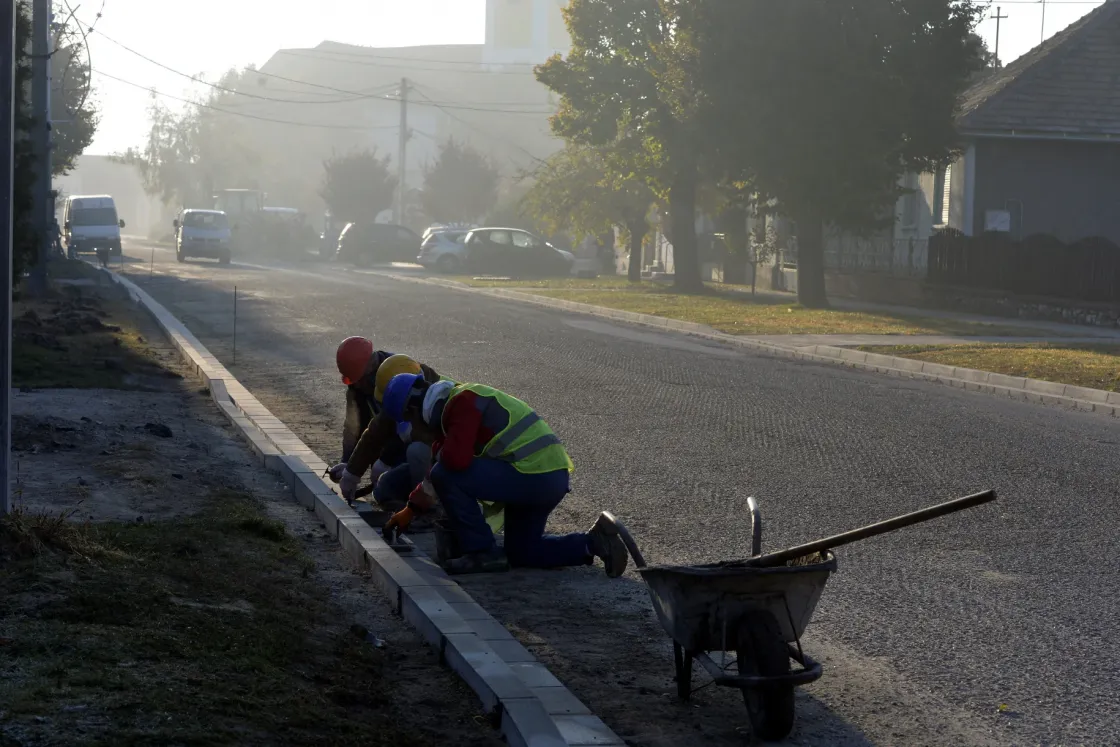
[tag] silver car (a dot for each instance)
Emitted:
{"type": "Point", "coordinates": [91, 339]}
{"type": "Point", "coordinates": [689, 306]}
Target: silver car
{"type": "Point", "coordinates": [444, 251]}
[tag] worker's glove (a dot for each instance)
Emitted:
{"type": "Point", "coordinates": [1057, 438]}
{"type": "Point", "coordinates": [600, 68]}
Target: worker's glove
{"type": "Point", "coordinates": [401, 521]}
{"type": "Point", "coordinates": [348, 484]}
{"type": "Point", "coordinates": [335, 472]}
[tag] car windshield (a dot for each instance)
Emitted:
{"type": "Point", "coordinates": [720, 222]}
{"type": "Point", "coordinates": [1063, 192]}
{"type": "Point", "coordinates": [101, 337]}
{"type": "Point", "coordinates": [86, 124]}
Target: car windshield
{"type": "Point", "coordinates": [93, 217]}
{"type": "Point", "coordinates": [205, 220]}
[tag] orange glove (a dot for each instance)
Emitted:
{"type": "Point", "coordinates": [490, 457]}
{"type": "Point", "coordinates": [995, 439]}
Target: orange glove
{"type": "Point", "coordinates": [400, 521]}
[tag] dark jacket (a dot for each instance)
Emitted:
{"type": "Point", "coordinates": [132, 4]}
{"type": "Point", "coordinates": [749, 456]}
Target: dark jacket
{"type": "Point", "coordinates": [362, 445]}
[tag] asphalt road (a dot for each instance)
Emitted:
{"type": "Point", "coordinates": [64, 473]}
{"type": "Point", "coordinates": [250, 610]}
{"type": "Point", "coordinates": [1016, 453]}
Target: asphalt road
{"type": "Point", "coordinates": [996, 626]}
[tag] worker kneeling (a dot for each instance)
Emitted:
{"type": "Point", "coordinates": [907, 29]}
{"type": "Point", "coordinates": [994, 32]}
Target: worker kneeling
{"type": "Point", "coordinates": [491, 447]}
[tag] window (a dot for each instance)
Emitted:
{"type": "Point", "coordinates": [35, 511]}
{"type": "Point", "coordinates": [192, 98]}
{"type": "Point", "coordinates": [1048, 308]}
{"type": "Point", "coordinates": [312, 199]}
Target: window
{"type": "Point", "coordinates": [942, 196]}
{"type": "Point", "coordinates": [93, 217]}
{"type": "Point", "coordinates": [523, 241]}
{"type": "Point", "coordinates": [910, 201]}
{"type": "Point", "coordinates": [205, 220]}
{"type": "Point", "coordinates": [500, 237]}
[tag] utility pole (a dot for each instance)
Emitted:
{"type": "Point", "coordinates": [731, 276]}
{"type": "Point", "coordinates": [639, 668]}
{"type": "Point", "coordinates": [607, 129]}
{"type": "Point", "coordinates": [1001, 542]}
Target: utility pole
{"type": "Point", "coordinates": [1042, 35]}
{"type": "Point", "coordinates": [41, 138]}
{"type": "Point", "coordinates": [7, 189]}
{"type": "Point", "coordinates": [402, 162]}
{"type": "Point", "coordinates": [998, 17]}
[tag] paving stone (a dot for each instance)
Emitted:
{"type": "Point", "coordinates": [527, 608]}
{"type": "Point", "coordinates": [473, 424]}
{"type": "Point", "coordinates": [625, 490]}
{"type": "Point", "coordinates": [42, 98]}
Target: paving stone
{"type": "Point", "coordinates": [483, 671]}
{"type": "Point", "coordinates": [527, 723]}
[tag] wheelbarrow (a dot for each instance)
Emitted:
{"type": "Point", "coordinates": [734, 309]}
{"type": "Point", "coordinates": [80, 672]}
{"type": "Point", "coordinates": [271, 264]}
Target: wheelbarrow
{"type": "Point", "coordinates": [753, 612]}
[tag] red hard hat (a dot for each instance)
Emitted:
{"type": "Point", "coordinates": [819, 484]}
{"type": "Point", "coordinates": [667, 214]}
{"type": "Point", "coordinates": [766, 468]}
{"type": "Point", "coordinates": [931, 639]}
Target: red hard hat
{"type": "Point", "coordinates": [352, 358]}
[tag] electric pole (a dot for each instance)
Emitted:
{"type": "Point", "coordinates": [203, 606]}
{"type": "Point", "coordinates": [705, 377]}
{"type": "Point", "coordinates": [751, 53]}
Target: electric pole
{"type": "Point", "coordinates": [41, 138]}
{"type": "Point", "coordinates": [998, 17]}
{"type": "Point", "coordinates": [7, 188]}
{"type": "Point", "coordinates": [402, 162]}
{"type": "Point", "coordinates": [1042, 35]}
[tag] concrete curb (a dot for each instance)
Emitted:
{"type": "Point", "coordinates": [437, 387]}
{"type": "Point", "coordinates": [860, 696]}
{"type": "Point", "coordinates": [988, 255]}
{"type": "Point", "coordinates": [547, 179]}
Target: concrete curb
{"type": "Point", "coordinates": [532, 707]}
{"type": "Point", "coordinates": [1030, 390]}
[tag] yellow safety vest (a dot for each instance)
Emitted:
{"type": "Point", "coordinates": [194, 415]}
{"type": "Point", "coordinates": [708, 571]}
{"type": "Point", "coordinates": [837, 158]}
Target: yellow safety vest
{"type": "Point", "coordinates": [527, 442]}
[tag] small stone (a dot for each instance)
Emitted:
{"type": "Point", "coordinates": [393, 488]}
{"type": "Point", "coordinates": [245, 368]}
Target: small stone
{"type": "Point", "coordinates": [176, 475]}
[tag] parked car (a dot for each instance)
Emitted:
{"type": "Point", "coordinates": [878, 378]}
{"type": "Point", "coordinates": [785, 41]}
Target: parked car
{"type": "Point", "coordinates": [444, 251]}
{"type": "Point", "coordinates": [203, 233]}
{"type": "Point", "coordinates": [511, 251]}
{"type": "Point", "coordinates": [367, 243]}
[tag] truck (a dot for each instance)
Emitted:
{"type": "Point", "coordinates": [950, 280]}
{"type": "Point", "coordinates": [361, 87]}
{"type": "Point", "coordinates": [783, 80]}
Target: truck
{"type": "Point", "coordinates": [261, 228]}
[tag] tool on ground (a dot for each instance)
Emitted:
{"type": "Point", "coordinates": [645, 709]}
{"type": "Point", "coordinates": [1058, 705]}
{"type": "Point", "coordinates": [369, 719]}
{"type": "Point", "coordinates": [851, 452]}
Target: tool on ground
{"type": "Point", "coordinates": [757, 609]}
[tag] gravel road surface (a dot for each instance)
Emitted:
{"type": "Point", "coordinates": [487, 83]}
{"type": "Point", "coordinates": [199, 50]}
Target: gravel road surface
{"type": "Point", "coordinates": [996, 626]}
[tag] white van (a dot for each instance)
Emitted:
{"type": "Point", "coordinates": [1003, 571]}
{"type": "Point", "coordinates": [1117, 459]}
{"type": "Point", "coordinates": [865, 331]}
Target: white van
{"type": "Point", "coordinates": [202, 233]}
{"type": "Point", "coordinates": [89, 223]}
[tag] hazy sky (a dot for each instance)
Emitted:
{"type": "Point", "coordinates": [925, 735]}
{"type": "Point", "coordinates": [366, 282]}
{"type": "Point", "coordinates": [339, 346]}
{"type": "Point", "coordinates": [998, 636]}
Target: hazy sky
{"type": "Point", "coordinates": [211, 36]}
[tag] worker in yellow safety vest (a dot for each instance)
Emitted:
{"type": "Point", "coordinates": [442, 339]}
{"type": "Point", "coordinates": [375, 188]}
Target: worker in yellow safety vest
{"type": "Point", "coordinates": [489, 446]}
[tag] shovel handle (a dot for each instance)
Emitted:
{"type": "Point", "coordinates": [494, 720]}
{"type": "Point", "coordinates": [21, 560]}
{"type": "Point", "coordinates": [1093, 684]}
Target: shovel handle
{"type": "Point", "coordinates": [872, 530]}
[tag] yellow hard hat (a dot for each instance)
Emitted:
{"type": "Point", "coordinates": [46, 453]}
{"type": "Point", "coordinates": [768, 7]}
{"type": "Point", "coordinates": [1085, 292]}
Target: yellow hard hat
{"type": "Point", "coordinates": [394, 365]}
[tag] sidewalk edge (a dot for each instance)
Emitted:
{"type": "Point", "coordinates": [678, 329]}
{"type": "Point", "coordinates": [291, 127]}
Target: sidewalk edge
{"type": "Point", "coordinates": [445, 615]}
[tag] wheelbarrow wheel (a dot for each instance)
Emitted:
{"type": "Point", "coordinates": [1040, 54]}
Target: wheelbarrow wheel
{"type": "Point", "coordinates": [763, 651]}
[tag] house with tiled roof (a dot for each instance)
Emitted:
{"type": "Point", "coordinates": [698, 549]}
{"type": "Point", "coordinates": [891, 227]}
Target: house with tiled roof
{"type": "Point", "coordinates": [1042, 142]}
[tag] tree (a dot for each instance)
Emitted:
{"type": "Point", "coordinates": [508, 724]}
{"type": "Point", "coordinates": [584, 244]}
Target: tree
{"type": "Point", "coordinates": [72, 109]}
{"type": "Point", "coordinates": [587, 191]}
{"type": "Point", "coordinates": [205, 147]}
{"type": "Point", "coordinates": [842, 98]}
{"type": "Point", "coordinates": [359, 185]}
{"type": "Point", "coordinates": [630, 75]}
{"type": "Point", "coordinates": [460, 186]}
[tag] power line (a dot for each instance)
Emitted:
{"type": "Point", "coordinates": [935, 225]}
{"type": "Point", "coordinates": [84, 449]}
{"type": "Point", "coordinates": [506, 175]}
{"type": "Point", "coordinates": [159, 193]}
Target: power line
{"type": "Point", "coordinates": [460, 120]}
{"type": "Point", "coordinates": [199, 104]}
{"type": "Point", "coordinates": [215, 86]}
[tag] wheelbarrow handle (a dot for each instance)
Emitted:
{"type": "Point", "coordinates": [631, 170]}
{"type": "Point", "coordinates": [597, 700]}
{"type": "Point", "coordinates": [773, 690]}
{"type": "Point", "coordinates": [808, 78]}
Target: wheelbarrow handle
{"type": "Point", "coordinates": [872, 530]}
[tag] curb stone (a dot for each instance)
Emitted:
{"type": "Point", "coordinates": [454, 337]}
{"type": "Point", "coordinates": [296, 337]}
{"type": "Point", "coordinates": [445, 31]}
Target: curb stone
{"type": "Point", "coordinates": [532, 707]}
{"type": "Point", "coordinates": [1032, 390]}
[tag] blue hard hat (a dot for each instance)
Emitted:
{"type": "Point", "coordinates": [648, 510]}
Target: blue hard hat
{"type": "Point", "coordinates": [400, 394]}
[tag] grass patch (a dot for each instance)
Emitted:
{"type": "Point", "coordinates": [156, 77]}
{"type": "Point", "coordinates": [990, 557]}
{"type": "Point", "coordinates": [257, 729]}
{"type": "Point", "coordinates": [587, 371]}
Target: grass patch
{"type": "Point", "coordinates": [201, 631]}
{"type": "Point", "coordinates": [80, 337]}
{"type": "Point", "coordinates": [1092, 366]}
{"type": "Point", "coordinates": [739, 314]}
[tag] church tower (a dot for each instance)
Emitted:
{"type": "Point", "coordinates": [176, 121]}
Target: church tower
{"type": "Point", "coordinates": [525, 31]}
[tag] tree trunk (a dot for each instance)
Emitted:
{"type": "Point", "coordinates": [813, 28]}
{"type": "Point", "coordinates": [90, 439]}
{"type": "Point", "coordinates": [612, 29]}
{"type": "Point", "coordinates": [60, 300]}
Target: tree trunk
{"type": "Point", "coordinates": [810, 261]}
{"type": "Point", "coordinates": [682, 212]}
{"type": "Point", "coordinates": [638, 231]}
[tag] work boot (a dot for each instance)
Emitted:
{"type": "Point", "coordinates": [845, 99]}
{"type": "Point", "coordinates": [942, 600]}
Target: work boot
{"type": "Point", "coordinates": [491, 561]}
{"type": "Point", "coordinates": [604, 543]}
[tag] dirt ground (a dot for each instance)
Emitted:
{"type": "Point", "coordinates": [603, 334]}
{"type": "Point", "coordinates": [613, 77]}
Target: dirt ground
{"type": "Point", "coordinates": [158, 587]}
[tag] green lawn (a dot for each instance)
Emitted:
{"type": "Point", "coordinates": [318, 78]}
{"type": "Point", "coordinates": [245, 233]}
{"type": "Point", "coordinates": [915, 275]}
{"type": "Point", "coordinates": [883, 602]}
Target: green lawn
{"type": "Point", "coordinates": [1092, 366]}
{"type": "Point", "coordinates": [739, 314]}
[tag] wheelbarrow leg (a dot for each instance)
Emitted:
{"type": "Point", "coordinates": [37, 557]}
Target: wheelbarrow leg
{"type": "Point", "coordinates": [683, 661]}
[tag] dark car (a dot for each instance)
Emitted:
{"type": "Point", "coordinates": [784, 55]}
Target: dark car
{"type": "Point", "coordinates": [513, 252]}
{"type": "Point", "coordinates": [370, 243]}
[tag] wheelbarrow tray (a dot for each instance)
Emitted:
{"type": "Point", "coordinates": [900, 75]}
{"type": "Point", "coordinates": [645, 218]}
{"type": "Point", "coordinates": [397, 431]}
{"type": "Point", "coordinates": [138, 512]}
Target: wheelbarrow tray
{"type": "Point", "coordinates": [701, 607]}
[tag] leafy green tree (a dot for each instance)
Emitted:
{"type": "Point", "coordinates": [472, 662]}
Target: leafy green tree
{"type": "Point", "coordinates": [630, 75]}
{"type": "Point", "coordinates": [460, 186]}
{"type": "Point", "coordinates": [841, 98]}
{"type": "Point", "coordinates": [358, 185]}
{"type": "Point", "coordinates": [205, 147]}
{"type": "Point", "coordinates": [72, 107]}
{"type": "Point", "coordinates": [587, 191]}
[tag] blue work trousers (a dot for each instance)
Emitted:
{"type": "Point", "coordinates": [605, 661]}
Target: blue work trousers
{"type": "Point", "coordinates": [398, 483]}
{"type": "Point", "coordinates": [528, 500]}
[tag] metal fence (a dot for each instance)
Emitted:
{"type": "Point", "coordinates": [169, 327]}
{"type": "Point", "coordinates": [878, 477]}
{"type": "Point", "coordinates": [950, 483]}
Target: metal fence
{"type": "Point", "coordinates": [1039, 265]}
{"type": "Point", "coordinates": [899, 257]}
